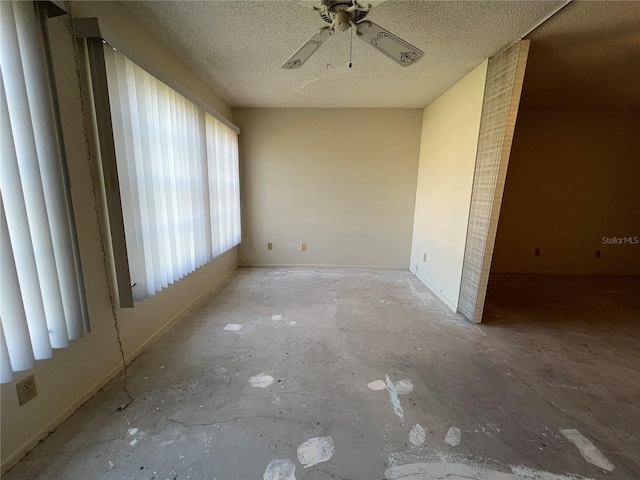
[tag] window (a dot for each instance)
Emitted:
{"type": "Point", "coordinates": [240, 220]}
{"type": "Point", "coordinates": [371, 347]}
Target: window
{"type": "Point", "coordinates": [42, 302]}
{"type": "Point", "coordinates": [177, 169]}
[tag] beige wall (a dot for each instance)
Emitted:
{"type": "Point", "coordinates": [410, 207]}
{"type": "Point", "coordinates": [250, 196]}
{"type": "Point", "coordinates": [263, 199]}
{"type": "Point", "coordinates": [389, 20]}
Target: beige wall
{"type": "Point", "coordinates": [450, 128]}
{"type": "Point", "coordinates": [340, 180]}
{"type": "Point", "coordinates": [573, 178]}
{"type": "Point", "coordinates": [75, 373]}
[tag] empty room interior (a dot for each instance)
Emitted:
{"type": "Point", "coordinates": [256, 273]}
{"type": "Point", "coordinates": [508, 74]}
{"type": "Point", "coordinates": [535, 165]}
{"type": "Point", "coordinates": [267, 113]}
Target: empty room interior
{"type": "Point", "coordinates": [332, 239]}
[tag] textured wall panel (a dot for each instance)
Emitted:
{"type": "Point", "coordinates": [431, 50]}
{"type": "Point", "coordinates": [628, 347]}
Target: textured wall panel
{"type": "Point", "coordinates": [505, 76]}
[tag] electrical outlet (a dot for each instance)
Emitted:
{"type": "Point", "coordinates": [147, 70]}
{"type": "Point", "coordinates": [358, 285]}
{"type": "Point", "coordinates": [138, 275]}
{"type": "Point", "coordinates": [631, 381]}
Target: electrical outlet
{"type": "Point", "coordinates": [26, 389]}
{"type": "Point", "coordinates": [269, 246]}
{"type": "Point", "coordinates": [424, 257]}
{"type": "Point", "coordinates": [303, 247]}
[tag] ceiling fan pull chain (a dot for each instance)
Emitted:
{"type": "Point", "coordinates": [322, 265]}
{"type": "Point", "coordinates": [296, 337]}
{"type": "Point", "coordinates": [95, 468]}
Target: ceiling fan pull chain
{"type": "Point", "coordinates": [351, 47]}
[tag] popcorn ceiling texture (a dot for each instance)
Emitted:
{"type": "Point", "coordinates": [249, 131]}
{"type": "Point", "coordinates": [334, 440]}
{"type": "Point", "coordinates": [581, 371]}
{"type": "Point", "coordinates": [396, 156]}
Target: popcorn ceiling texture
{"type": "Point", "coordinates": [238, 47]}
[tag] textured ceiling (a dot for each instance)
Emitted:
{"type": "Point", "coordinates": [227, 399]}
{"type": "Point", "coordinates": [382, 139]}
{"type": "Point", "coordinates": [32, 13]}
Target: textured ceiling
{"type": "Point", "coordinates": [238, 47]}
{"type": "Point", "coordinates": [587, 56]}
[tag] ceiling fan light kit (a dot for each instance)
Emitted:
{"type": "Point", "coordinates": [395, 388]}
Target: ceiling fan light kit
{"type": "Point", "coordinates": [344, 14]}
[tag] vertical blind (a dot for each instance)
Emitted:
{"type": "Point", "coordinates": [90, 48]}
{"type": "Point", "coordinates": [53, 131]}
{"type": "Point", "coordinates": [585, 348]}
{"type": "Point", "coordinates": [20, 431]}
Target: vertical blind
{"type": "Point", "coordinates": [178, 176]}
{"type": "Point", "coordinates": [42, 302]}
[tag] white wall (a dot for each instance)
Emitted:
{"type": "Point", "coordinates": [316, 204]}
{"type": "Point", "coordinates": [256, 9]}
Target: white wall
{"type": "Point", "coordinates": [340, 180]}
{"type": "Point", "coordinates": [573, 178]}
{"type": "Point", "coordinates": [75, 373]}
{"type": "Point", "coordinates": [450, 128]}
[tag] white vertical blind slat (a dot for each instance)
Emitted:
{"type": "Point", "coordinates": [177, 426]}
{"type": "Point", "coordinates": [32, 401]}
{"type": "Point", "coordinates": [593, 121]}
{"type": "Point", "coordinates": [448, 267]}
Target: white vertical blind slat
{"type": "Point", "coordinates": [6, 370]}
{"type": "Point", "coordinates": [206, 194]}
{"type": "Point", "coordinates": [171, 182]}
{"type": "Point", "coordinates": [12, 314]}
{"type": "Point", "coordinates": [134, 137]}
{"type": "Point", "coordinates": [128, 193]}
{"type": "Point", "coordinates": [163, 135]}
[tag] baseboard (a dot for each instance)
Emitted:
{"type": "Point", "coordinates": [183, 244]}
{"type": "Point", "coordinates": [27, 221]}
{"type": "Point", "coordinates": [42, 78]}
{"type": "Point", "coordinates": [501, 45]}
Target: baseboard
{"type": "Point", "coordinates": [13, 459]}
{"type": "Point", "coordinates": [314, 265]}
{"type": "Point", "coordinates": [433, 290]}
{"type": "Point", "coordinates": [177, 317]}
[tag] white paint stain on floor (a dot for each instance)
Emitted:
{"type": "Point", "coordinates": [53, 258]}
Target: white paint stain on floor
{"type": "Point", "coordinates": [316, 450]}
{"type": "Point", "coordinates": [587, 449]}
{"type": "Point", "coordinates": [433, 471]}
{"type": "Point", "coordinates": [393, 395]}
{"type": "Point", "coordinates": [133, 431]}
{"type": "Point", "coordinates": [417, 435]}
{"type": "Point", "coordinates": [291, 323]}
{"type": "Point", "coordinates": [403, 387]}
{"type": "Point", "coordinates": [280, 470]}
{"type": "Point", "coordinates": [377, 385]}
{"type": "Point", "coordinates": [261, 380]}
{"type": "Point", "coordinates": [453, 437]}
{"type": "Point", "coordinates": [234, 327]}
{"type": "Point", "coordinates": [440, 465]}
{"type": "Point", "coordinates": [526, 473]}
{"type": "Point", "coordinates": [459, 471]}
{"type": "Point", "coordinates": [276, 317]}
{"type": "Point", "coordinates": [133, 442]}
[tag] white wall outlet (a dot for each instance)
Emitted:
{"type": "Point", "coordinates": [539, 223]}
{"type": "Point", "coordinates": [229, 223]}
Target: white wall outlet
{"type": "Point", "coordinates": [26, 389]}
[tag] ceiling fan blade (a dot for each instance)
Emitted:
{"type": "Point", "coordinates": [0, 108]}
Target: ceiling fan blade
{"type": "Point", "coordinates": [394, 47]}
{"type": "Point", "coordinates": [307, 49]}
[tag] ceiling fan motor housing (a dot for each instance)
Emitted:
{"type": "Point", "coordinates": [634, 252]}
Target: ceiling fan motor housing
{"type": "Point", "coordinates": [338, 10]}
{"type": "Point", "coordinates": [342, 21]}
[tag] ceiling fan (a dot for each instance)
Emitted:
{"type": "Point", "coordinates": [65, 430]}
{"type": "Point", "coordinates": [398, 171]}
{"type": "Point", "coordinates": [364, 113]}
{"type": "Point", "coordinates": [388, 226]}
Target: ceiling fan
{"type": "Point", "coordinates": [344, 14]}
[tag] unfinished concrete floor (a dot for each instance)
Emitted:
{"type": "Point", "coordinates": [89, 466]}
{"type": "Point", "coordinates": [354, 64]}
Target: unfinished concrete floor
{"type": "Point", "coordinates": [556, 354]}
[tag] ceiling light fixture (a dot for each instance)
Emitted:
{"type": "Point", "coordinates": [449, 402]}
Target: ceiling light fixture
{"type": "Point", "coordinates": [344, 14]}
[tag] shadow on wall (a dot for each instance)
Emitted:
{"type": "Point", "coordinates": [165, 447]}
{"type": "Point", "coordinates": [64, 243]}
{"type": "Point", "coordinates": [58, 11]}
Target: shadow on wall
{"type": "Point", "coordinates": [571, 196]}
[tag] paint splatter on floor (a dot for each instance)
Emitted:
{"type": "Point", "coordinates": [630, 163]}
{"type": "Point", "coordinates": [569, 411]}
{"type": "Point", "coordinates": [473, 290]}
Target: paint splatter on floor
{"type": "Point", "coordinates": [393, 395]}
{"type": "Point", "coordinates": [526, 473]}
{"type": "Point", "coordinates": [316, 450]}
{"type": "Point", "coordinates": [440, 470]}
{"type": "Point", "coordinates": [280, 470]}
{"type": "Point", "coordinates": [291, 323]}
{"type": "Point", "coordinates": [276, 317]}
{"type": "Point", "coordinates": [403, 387]}
{"type": "Point", "coordinates": [453, 437]}
{"type": "Point", "coordinates": [417, 435]}
{"type": "Point", "coordinates": [261, 380]}
{"type": "Point", "coordinates": [377, 385]}
{"type": "Point", "coordinates": [133, 431]}
{"type": "Point", "coordinates": [234, 327]}
{"type": "Point", "coordinates": [133, 442]}
{"type": "Point", "coordinates": [429, 471]}
{"type": "Point", "coordinates": [587, 449]}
